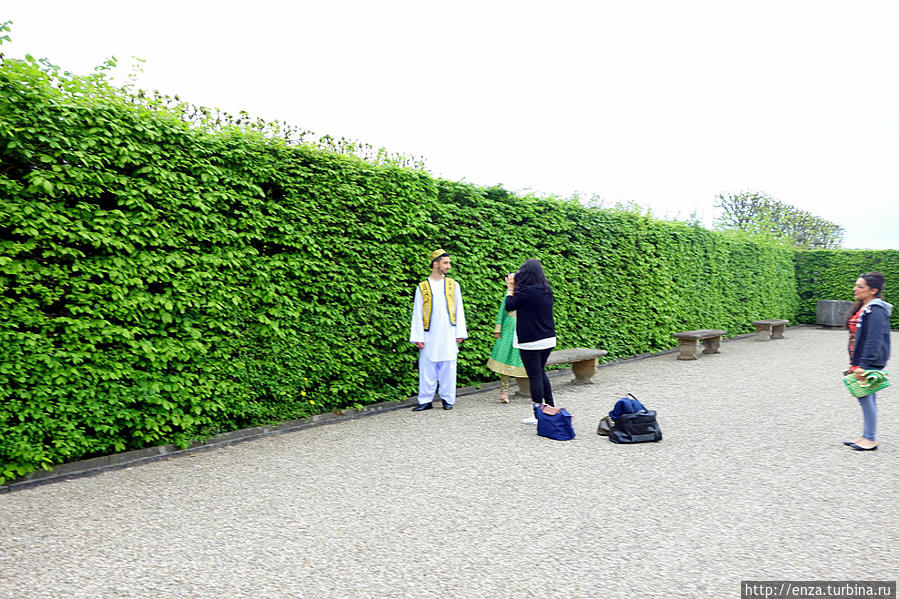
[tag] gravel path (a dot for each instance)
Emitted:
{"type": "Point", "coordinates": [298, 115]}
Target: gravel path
{"type": "Point", "coordinates": [750, 483]}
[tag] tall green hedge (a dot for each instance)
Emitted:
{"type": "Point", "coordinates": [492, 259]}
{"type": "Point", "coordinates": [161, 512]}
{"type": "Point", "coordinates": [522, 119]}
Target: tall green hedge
{"type": "Point", "coordinates": [624, 282]}
{"type": "Point", "coordinates": [831, 274]}
{"type": "Point", "coordinates": [165, 279]}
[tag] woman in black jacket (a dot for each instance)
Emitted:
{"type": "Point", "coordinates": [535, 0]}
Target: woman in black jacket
{"type": "Point", "coordinates": [531, 297]}
{"type": "Point", "coordinates": [869, 348]}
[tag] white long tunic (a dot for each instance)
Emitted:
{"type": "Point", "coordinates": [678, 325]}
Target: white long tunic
{"type": "Point", "coordinates": [440, 340]}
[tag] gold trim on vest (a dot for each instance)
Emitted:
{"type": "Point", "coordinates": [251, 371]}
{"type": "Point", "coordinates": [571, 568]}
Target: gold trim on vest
{"type": "Point", "coordinates": [427, 301]}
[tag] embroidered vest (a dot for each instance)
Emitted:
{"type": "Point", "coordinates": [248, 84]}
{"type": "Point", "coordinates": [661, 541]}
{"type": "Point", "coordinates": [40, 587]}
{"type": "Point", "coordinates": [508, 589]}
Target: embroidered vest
{"type": "Point", "coordinates": [427, 299]}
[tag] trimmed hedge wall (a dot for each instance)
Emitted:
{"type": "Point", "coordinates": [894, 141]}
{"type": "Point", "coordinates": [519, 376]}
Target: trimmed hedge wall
{"type": "Point", "coordinates": [831, 274]}
{"type": "Point", "coordinates": [623, 281]}
{"type": "Point", "coordinates": [164, 281]}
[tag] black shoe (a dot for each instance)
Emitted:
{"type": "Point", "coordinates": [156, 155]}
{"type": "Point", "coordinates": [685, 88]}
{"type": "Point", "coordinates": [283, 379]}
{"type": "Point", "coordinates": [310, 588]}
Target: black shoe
{"type": "Point", "coordinates": [860, 448]}
{"type": "Point", "coordinates": [848, 443]}
{"type": "Point", "coordinates": [422, 406]}
{"type": "Point", "coordinates": [446, 406]}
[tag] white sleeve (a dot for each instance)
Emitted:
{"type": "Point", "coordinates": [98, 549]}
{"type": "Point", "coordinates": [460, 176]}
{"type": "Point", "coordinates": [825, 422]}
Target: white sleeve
{"type": "Point", "coordinates": [417, 333]}
{"type": "Point", "coordinates": [461, 329]}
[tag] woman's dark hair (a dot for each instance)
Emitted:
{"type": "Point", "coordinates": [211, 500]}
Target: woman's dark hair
{"type": "Point", "coordinates": [531, 275]}
{"type": "Point", "coordinates": [874, 280]}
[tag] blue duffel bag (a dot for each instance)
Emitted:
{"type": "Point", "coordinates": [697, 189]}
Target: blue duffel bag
{"type": "Point", "coordinates": [633, 423]}
{"type": "Point", "coordinates": [553, 423]}
{"type": "Point", "coordinates": [626, 405]}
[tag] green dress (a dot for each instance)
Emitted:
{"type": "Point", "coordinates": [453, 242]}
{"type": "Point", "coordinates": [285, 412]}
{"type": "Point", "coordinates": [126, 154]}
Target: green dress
{"type": "Point", "coordinates": [505, 359]}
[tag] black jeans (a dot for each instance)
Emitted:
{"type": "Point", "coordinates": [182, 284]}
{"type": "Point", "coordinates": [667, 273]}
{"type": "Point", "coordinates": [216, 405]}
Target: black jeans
{"type": "Point", "coordinates": [534, 361]}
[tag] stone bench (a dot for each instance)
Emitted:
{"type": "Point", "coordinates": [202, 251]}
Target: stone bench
{"type": "Point", "coordinates": [688, 342]}
{"type": "Point", "coordinates": [583, 365]}
{"type": "Point", "coordinates": [769, 329]}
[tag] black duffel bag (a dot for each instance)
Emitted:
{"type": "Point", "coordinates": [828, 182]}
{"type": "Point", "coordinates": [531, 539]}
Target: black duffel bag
{"type": "Point", "coordinates": [639, 427]}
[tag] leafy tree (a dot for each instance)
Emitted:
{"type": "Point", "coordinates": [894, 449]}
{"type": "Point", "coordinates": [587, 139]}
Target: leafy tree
{"type": "Point", "coordinates": [760, 215]}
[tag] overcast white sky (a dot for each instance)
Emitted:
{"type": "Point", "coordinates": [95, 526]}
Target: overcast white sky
{"type": "Point", "coordinates": [664, 104]}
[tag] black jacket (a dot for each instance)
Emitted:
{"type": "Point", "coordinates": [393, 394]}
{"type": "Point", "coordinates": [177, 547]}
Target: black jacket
{"type": "Point", "coordinates": [535, 313]}
{"type": "Point", "coordinates": [872, 338]}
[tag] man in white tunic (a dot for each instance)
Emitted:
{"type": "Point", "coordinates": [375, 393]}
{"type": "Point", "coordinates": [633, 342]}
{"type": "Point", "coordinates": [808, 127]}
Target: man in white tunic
{"type": "Point", "coordinates": [438, 327]}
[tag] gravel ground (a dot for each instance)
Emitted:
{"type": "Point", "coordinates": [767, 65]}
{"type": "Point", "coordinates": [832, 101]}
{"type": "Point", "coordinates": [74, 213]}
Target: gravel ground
{"type": "Point", "coordinates": [751, 482]}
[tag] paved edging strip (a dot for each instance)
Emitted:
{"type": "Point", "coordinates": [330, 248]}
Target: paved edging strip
{"type": "Point", "coordinates": [137, 457]}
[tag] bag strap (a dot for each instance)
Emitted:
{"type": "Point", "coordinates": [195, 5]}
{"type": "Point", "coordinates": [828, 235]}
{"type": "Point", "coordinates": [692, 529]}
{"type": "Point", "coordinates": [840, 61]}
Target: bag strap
{"type": "Point", "coordinates": [636, 406]}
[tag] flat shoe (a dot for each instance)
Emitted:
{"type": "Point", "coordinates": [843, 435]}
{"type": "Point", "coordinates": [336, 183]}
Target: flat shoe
{"type": "Point", "coordinates": [848, 443]}
{"type": "Point", "coordinates": [422, 406]}
{"type": "Point", "coordinates": [860, 448]}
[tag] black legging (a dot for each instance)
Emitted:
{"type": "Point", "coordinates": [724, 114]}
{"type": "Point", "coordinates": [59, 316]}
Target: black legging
{"type": "Point", "coordinates": [534, 361]}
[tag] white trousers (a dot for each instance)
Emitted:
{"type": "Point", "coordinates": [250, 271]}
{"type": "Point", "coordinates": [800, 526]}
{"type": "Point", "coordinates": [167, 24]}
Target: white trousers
{"type": "Point", "coordinates": [434, 374]}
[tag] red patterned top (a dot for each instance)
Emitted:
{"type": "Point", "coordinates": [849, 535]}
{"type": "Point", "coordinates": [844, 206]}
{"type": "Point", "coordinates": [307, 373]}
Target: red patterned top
{"type": "Point", "coordinates": [853, 326]}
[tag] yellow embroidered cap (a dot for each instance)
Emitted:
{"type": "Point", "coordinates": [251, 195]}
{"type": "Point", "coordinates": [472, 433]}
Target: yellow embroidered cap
{"type": "Point", "coordinates": [436, 254]}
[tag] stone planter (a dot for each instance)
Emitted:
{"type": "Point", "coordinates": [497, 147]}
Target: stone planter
{"type": "Point", "coordinates": [833, 313]}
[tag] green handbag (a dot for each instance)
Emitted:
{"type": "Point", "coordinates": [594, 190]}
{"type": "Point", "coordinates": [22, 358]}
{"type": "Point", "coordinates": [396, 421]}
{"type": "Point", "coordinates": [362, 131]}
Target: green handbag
{"type": "Point", "coordinates": [875, 380]}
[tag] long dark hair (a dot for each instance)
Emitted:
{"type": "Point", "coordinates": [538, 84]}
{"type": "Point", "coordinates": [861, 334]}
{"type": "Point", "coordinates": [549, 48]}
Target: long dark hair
{"type": "Point", "coordinates": [531, 275]}
{"type": "Point", "coordinates": [874, 280]}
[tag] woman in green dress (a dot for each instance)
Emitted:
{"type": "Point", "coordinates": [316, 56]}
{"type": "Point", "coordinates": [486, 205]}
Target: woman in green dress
{"type": "Point", "coordinates": [505, 359]}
